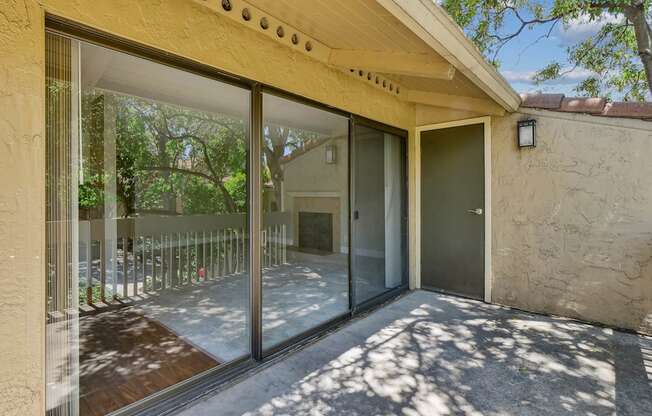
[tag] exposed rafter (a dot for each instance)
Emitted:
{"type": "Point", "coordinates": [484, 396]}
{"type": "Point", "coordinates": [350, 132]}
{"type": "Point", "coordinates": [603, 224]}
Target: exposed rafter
{"type": "Point", "coordinates": [412, 64]}
{"type": "Point", "coordinates": [375, 80]}
{"type": "Point", "coordinates": [366, 65]}
{"type": "Point", "coordinates": [456, 102]}
{"type": "Point", "coordinates": [435, 27]}
{"type": "Point", "coordinates": [256, 19]}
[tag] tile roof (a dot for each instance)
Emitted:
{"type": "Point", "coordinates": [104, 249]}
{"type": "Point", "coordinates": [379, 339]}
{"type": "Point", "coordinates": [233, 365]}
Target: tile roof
{"type": "Point", "coordinates": [594, 106]}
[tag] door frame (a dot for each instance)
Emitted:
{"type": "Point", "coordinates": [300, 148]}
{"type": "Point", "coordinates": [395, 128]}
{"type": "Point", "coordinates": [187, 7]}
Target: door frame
{"type": "Point", "coordinates": [486, 122]}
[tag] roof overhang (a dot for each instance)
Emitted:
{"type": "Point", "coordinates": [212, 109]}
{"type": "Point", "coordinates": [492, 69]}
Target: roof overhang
{"type": "Point", "coordinates": [410, 49]}
{"type": "Point", "coordinates": [435, 27]}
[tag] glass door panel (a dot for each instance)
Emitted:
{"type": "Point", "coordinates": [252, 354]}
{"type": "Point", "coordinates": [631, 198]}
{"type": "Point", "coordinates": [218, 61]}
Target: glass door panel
{"type": "Point", "coordinates": [147, 239]}
{"type": "Point", "coordinates": [305, 218]}
{"type": "Point", "coordinates": [379, 214]}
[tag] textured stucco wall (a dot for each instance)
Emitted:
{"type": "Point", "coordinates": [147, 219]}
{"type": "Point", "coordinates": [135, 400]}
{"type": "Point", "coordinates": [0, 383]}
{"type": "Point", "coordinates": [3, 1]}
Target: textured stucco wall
{"type": "Point", "coordinates": [426, 115]}
{"type": "Point", "coordinates": [178, 26]}
{"type": "Point", "coordinates": [22, 212]}
{"type": "Point", "coordinates": [572, 218]}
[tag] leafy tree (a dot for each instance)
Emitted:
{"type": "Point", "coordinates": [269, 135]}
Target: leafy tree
{"type": "Point", "coordinates": [193, 156]}
{"type": "Point", "coordinates": [619, 55]}
{"type": "Point", "coordinates": [171, 160]}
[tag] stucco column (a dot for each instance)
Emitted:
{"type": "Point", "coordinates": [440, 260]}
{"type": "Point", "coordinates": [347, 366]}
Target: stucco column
{"type": "Point", "coordinates": [22, 208]}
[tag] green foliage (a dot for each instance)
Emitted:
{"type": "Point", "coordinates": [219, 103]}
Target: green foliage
{"type": "Point", "coordinates": [611, 54]}
{"type": "Point", "coordinates": [552, 71]}
{"type": "Point", "coordinates": [95, 294]}
{"type": "Point", "coordinates": [90, 193]}
{"type": "Point", "coordinates": [171, 160]}
{"type": "Point", "coordinates": [237, 187]}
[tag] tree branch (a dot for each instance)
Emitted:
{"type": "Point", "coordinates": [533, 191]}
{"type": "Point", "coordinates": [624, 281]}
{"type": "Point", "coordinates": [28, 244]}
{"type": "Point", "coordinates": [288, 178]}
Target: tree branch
{"type": "Point", "coordinates": [635, 13]}
{"type": "Point", "coordinates": [179, 170]}
{"type": "Point", "coordinates": [504, 40]}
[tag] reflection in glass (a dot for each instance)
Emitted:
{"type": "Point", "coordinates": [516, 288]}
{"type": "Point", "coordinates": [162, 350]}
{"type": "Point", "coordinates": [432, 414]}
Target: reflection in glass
{"type": "Point", "coordinates": [154, 231]}
{"type": "Point", "coordinates": [379, 211]}
{"type": "Point", "coordinates": [305, 218]}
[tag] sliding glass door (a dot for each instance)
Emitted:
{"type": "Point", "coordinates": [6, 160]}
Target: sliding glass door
{"type": "Point", "coordinates": [305, 218]}
{"type": "Point", "coordinates": [147, 237]}
{"type": "Point", "coordinates": [150, 201]}
{"type": "Point", "coordinates": [379, 212]}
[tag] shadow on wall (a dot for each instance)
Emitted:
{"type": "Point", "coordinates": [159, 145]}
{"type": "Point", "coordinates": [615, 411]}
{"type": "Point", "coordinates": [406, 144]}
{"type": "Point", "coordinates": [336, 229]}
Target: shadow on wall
{"type": "Point", "coordinates": [451, 356]}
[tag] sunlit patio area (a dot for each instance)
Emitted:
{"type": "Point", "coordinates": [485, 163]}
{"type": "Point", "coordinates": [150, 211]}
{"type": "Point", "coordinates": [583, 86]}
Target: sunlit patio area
{"type": "Point", "coordinates": [432, 354]}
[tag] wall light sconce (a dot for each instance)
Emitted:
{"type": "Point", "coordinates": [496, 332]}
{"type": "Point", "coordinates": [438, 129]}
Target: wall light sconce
{"type": "Point", "coordinates": [331, 154]}
{"type": "Point", "coordinates": [527, 133]}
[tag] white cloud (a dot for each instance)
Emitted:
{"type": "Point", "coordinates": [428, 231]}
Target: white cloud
{"type": "Point", "coordinates": [582, 28]}
{"type": "Point", "coordinates": [518, 76]}
{"type": "Point", "coordinates": [525, 77]}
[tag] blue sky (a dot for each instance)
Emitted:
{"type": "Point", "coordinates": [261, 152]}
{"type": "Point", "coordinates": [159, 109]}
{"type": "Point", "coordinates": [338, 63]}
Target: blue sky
{"type": "Point", "coordinates": [530, 52]}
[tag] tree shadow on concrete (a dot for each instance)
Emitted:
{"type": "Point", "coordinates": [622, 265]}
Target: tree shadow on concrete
{"type": "Point", "coordinates": [430, 354]}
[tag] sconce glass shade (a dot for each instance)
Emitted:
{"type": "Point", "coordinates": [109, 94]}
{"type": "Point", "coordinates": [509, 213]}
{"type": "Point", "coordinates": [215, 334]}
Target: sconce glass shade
{"type": "Point", "coordinates": [527, 133]}
{"type": "Point", "coordinates": [331, 154]}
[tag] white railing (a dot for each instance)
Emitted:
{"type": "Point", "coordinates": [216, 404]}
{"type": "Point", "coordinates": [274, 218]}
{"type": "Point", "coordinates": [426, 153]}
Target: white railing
{"type": "Point", "coordinates": [128, 257]}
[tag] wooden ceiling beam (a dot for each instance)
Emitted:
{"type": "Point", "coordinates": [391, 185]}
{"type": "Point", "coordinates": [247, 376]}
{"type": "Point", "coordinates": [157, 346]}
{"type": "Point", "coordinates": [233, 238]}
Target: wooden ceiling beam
{"type": "Point", "coordinates": [429, 21]}
{"type": "Point", "coordinates": [400, 63]}
{"type": "Point", "coordinates": [456, 102]}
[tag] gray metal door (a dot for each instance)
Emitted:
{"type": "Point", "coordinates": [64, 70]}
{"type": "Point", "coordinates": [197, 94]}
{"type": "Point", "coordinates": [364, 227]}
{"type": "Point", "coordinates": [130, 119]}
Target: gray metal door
{"type": "Point", "coordinates": [452, 210]}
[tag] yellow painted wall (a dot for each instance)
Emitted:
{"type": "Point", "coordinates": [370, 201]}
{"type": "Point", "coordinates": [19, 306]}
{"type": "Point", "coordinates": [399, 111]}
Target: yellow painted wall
{"type": "Point", "coordinates": [190, 30]}
{"type": "Point", "coordinates": [426, 115]}
{"type": "Point", "coordinates": [22, 209]}
{"type": "Point", "coordinates": [181, 27]}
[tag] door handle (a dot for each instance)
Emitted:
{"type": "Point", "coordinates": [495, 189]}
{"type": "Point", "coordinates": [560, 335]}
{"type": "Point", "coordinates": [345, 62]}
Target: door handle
{"type": "Point", "coordinates": [476, 211]}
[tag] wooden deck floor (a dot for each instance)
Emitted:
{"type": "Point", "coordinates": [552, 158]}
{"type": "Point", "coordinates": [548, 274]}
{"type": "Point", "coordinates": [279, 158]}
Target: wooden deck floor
{"type": "Point", "coordinates": [125, 356]}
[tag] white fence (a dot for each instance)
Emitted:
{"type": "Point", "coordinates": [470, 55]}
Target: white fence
{"type": "Point", "coordinates": [128, 257]}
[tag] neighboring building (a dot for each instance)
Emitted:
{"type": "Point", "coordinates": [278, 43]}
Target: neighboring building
{"type": "Point", "coordinates": [191, 186]}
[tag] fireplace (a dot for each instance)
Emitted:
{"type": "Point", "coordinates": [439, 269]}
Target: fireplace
{"type": "Point", "coordinates": [316, 231]}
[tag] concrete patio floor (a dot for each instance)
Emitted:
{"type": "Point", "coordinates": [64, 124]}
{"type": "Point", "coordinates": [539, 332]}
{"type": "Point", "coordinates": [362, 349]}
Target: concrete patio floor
{"type": "Point", "coordinates": [431, 354]}
{"type": "Point", "coordinates": [213, 315]}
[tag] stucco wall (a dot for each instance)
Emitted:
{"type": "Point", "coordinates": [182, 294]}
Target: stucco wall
{"type": "Point", "coordinates": [178, 26]}
{"type": "Point", "coordinates": [572, 218]}
{"type": "Point", "coordinates": [22, 211]}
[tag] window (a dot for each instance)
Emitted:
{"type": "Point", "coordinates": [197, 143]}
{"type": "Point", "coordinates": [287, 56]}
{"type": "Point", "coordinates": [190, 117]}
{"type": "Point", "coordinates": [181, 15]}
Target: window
{"type": "Point", "coordinates": [305, 218]}
{"type": "Point", "coordinates": [380, 220]}
{"type": "Point", "coordinates": [146, 227]}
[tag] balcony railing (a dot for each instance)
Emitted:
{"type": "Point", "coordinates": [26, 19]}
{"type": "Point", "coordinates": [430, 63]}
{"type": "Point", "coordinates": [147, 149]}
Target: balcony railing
{"type": "Point", "coordinates": [126, 258]}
